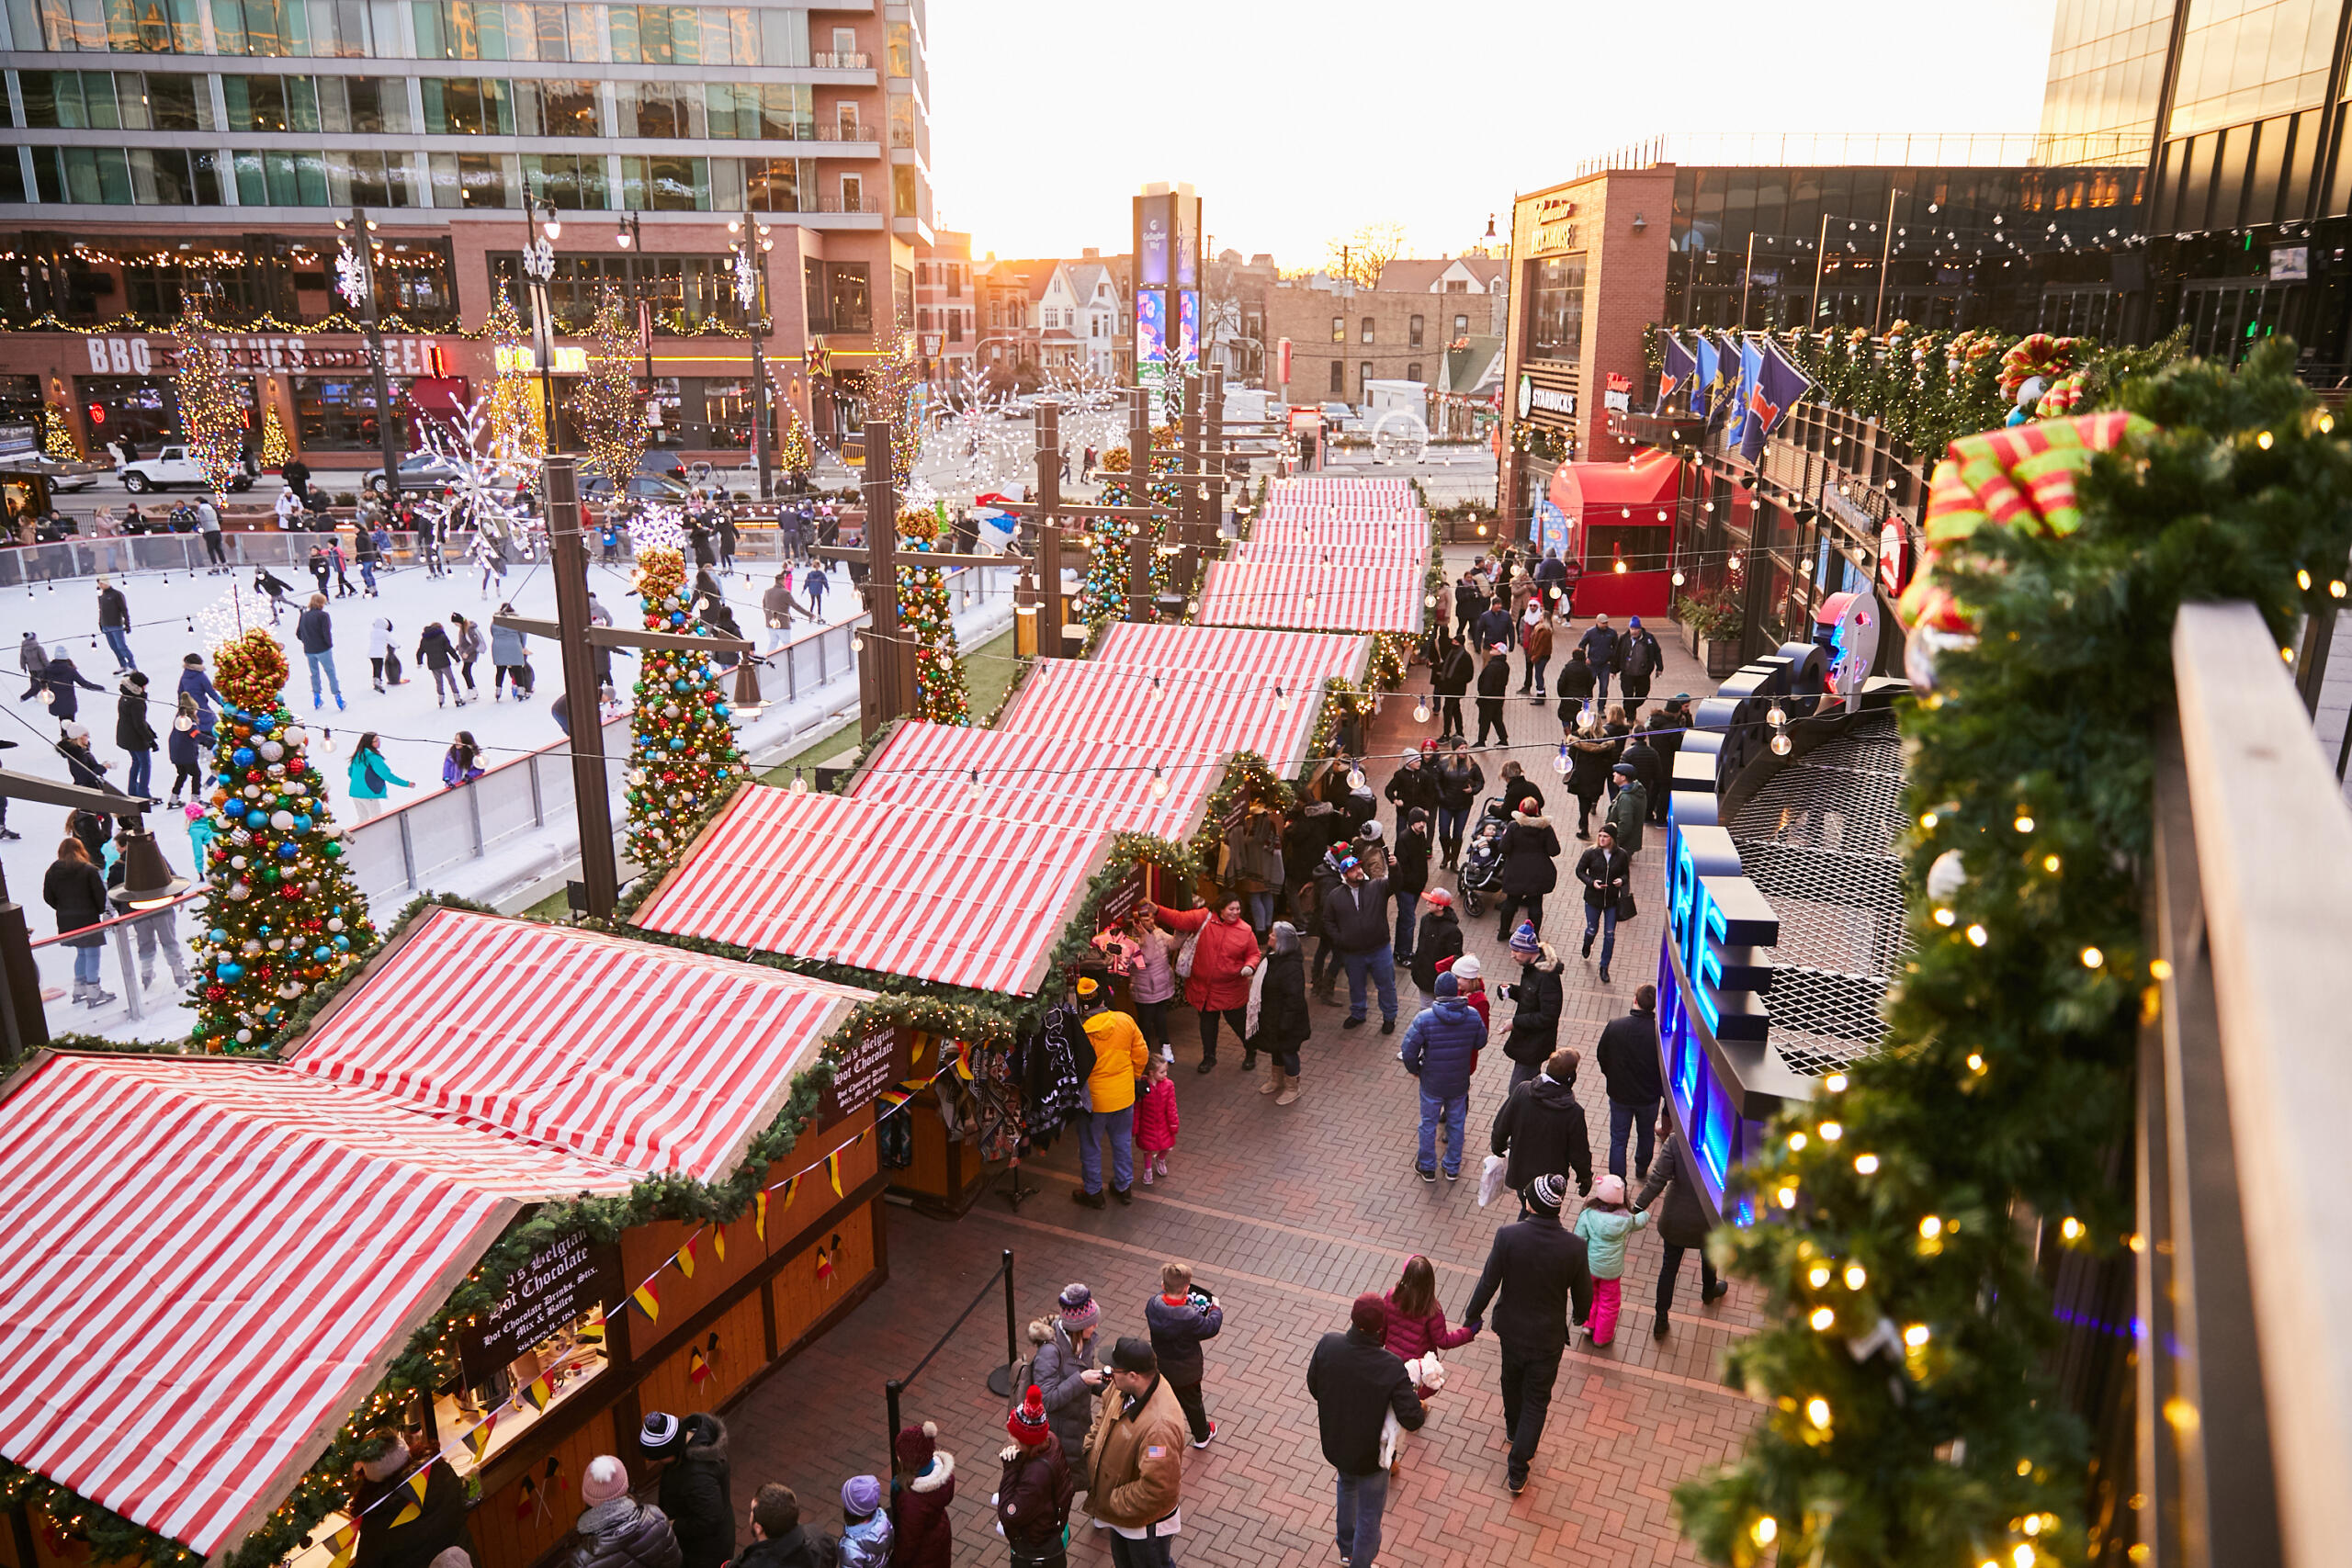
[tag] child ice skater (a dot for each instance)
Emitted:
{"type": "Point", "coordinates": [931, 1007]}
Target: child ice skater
{"type": "Point", "coordinates": [1605, 1225]}
{"type": "Point", "coordinates": [1155, 1118]}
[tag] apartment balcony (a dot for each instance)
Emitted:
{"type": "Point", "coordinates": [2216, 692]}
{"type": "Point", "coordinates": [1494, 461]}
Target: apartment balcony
{"type": "Point", "coordinates": [836, 60]}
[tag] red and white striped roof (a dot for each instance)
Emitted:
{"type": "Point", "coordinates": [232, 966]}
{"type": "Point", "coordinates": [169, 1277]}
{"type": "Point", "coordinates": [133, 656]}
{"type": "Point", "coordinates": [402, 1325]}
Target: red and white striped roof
{"type": "Point", "coordinates": [1336, 559]}
{"type": "Point", "coordinates": [1360, 534]}
{"type": "Point", "coordinates": [1069, 781]}
{"type": "Point", "coordinates": [208, 1263]}
{"type": "Point", "coordinates": [950, 896]}
{"type": "Point", "coordinates": [659, 1060]}
{"type": "Point", "coordinates": [1213, 711]}
{"type": "Point", "coordinates": [1334, 488]}
{"type": "Point", "coordinates": [1310, 657]}
{"type": "Point", "coordinates": [1359, 598]}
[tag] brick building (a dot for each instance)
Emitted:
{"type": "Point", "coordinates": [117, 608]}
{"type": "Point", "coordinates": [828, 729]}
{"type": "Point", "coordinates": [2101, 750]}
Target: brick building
{"type": "Point", "coordinates": [946, 308]}
{"type": "Point", "coordinates": [1588, 265]}
{"type": "Point", "coordinates": [1045, 316]}
{"type": "Point", "coordinates": [1342, 337]}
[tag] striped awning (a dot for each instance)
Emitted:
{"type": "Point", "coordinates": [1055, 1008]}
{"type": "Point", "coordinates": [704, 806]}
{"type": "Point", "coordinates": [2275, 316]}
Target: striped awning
{"type": "Point", "coordinates": [1311, 656]}
{"type": "Point", "coordinates": [1072, 782]}
{"type": "Point", "coordinates": [207, 1264]}
{"type": "Point", "coordinates": [951, 896]}
{"type": "Point", "coordinates": [1331, 488]}
{"type": "Point", "coordinates": [1340, 535]}
{"type": "Point", "coordinates": [1314, 597]}
{"type": "Point", "coordinates": [1212, 711]}
{"type": "Point", "coordinates": [659, 1060]}
{"type": "Point", "coordinates": [1379, 555]}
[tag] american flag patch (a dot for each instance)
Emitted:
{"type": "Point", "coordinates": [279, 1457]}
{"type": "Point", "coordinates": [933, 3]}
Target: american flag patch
{"type": "Point", "coordinates": [1156, 1450]}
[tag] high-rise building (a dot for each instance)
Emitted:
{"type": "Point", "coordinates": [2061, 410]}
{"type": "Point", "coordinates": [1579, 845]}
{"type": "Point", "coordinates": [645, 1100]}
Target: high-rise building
{"type": "Point", "coordinates": [171, 150]}
{"type": "Point", "coordinates": [2237, 108]}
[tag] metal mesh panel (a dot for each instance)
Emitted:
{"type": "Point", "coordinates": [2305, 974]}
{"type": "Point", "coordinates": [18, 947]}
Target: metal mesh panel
{"type": "Point", "coordinates": [1818, 841]}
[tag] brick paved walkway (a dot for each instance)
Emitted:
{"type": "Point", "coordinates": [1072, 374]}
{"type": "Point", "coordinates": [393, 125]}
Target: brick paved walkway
{"type": "Point", "coordinates": [1287, 1214]}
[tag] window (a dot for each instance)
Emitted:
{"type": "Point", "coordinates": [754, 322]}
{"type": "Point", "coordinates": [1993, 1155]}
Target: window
{"type": "Point", "coordinates": [555, 107]}
{"type": "Point", "coordinates": [954, 326]}
{"type": "Point", "coordinates": [1363, 374]}
{"type": "Point", "coordinates": [371, 179]}
{"type": "Point", "coordinates": [1559, 308]}
{"type": "Point", "coordinates": [1461, 326]}
{"type": "Point", "coordinates": [364, 105]}
{"type": "Point", "coordinates": [668, 184]}
{"type": "Point", "coordinates": [779, 185]}
{"type": "Point", "coordinates": [839, 297]}
{"type": "Point", "coordinates": [110, 176]}
{"type": "Point", "coordinates": [903, 190]}
{"type": "Point", "coordinates": [666, 110]}
{"type": "Point", "coordinates": [845, 41]}
{"type": "Point", "coordinates": [903, 120]}
{"type": "Point", "coordinates": [1456, 286]}
{"type": "Point", "coordinates": [845, 121]}
{"type": "Point", "coordinates": [454, 106]}
{"type": "Point", "coordinates": [337, 415]}
{"type": "Point", "coordinates": [280, 179]}
{"type": "Point", "coordinates": [750, 111]}
{"type": "Point", "coordinates": [1413, 371]}
{"type": "Point", "coordinates": [170, 26]}
{"type": "Point", "coordinates": [1366, 336]}
{"type": "Point", "coordinates": [1338, 329]}
{"type": "Point", "coordinates": [1338, 374]}
{"type": "Point", "coordinates": [955, 280]}
{"type": "Point", "coordinates": [1053, 317]}
{"type": "Point", "coordinates": [852, 193]}
{"type": "Point", "coordinates": [475, 179]}
{"type": "Point", "coordinates": [1413, 334]}
{"type": "Point", "coordinates": [903, 49]}
{"type": "Point", "coordinates": [572, 182]}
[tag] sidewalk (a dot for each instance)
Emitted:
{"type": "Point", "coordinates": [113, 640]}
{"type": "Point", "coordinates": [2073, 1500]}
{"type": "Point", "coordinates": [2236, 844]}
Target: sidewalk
{"type": "Point", "coordinates": [1287, 1214]}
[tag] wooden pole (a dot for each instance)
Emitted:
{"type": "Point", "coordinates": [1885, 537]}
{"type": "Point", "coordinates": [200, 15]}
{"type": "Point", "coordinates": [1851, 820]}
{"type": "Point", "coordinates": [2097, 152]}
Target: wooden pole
{"type": "Point", "coordinates": [1045, 556]}
{"type": "Point", "coordinates": [568, 555]}
{"type": "Point", "coordinates": [885, 688]}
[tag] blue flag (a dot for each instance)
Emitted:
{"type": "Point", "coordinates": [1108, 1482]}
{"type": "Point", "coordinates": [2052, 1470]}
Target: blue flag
{"type": "Point", "coordinates": [1735, 381]}
{"type": "Point", "coordinates": [1751, 365]}
{"type": "Point", "coordinates": [1674, 375]}
{"type": "Point", "coordinates": [1723, 391]}
{"type": "Point", "coordinates": [1702, 377]}
{"type": "Point", "coordinates": [1778, 386]}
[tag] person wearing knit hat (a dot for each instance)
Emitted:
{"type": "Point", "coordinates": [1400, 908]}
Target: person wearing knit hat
{"type": "Point", "coordinates": [1535, 1268]}
{"type": "Point", "coordinates": [1531, 853]}
{"type": "Point", "coordinates": [923, 1488]}
{"type": "Point", "coordinates": [690, 1457]}
{"type": "Point", "coordinates": [616, 1531]}
{"type": "Point", "coordinates": [1067, 1366]}
{"type": "Point", "coordinates": [1118, 1057]}
{"type": "Point", "coordinates": [1439, 939]}
{"type": "Point", "coordinates": [866, 1531]}
{"type": "Point", "coordinates": [388, 1536]}
{"type": "Point", "coordinates": [1538, 996]}
{"type": "Point", "coordinates": [1033, 1497]}
{"type": "Point", "coordinates": [1360, 1387]}
{"type": "Point", "coordinates": [1606, 1225]}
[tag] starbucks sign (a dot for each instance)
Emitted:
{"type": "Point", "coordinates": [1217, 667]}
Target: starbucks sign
{"type": "Point", "coordinates": [1534, 399]}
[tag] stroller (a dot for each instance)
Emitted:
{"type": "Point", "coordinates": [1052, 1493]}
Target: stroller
{"type": "Point", "coordinates": [1482, 856]}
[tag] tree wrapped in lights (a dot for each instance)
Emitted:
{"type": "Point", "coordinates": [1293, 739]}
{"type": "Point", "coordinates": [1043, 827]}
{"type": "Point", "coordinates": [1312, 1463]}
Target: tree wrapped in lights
{"type": "Point", "coordinates": [604, 407]}
{"type": "Point", "coordinates": [891, 393]}
{"type": "Point", "coordinates": [213, 423]}
{"type": "Point", "coordinates": [56, 436]}
{"type": "Point", "coordinates": [274, 448]}
{"type": "Point", "coordinates": [682, 756]}
{"type": "Point", "coordinates": [284, 913]}
{"type": "Point", "coordinates": [796, 454]}
{"type": "Point", "coordinates": [517, 431]}
{"type": "Point", "coordinates": [942, 693]}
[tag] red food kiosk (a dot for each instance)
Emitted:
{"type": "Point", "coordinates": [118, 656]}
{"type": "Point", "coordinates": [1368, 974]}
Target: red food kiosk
{"type": "Point", "coordinates": [1613, 524]}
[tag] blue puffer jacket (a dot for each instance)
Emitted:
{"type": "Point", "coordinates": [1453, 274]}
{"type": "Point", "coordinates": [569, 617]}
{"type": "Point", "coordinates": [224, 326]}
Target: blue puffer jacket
{"type": "Point", "coordinates": [1441, 1047]}
{"type": "Point", "coordinates": [1176, 1330]}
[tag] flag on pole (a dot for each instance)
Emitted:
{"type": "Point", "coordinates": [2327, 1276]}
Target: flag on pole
{"type": "Point", "coordinates": [1675, 375]}
{"type": "Point", "coordinates": [1706, 364]}
{"type": "Point", "coordinates": [697, 1369]}
{"type": "Point", "coordinates": [1779, 387]}
{"type": "Point", "coordinates": [539, 1392]}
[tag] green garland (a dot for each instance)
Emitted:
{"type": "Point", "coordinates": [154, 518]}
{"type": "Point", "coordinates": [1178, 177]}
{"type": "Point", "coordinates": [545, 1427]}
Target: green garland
{"type": "Point", "coordinates": [1247, 776]}
{"type": "Point", "coordinates": [1075, 947]}
{"type": "Point", "coordinates": [1342, 699]}
{"type": "Point", "coordinates": [2005, 1080]}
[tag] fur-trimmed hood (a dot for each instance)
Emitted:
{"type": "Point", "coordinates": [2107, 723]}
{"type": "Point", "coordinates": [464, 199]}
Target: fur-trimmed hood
{"type": "Point", "coordinates": [941, 1471]}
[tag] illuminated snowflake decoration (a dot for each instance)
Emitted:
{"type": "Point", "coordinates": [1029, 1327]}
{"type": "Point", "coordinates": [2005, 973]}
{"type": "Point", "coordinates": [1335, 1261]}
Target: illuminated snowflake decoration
{"type": "Point", "coordinates": [656, 527]}
{"type": "Point", "coordinates": [351, 277]}
{"type": "Point", "coordinates": [747, 278]}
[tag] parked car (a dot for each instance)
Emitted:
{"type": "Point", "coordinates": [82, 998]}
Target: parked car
{"type": "Point", "coordinates": [172, 465]}
{"type": "Point", "coordinates": [419, 470]}
{"type": "Point", "coordinates": [641, 487]}
{"type": "Point", "coordinates": [60, 474]}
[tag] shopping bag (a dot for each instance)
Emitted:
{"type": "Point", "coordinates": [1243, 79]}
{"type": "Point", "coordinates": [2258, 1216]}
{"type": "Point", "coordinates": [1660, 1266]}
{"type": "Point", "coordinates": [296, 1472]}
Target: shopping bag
{"type": "Point", "coordinates": [1491, 1179]}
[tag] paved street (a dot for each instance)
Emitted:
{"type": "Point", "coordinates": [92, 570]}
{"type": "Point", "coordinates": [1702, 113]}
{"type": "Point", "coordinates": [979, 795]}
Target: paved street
{"type": "Point", "coordinates": [1287, 1214]}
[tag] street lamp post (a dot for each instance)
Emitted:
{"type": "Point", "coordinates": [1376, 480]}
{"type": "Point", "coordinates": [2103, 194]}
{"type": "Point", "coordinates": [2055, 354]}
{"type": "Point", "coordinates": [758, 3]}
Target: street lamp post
{"type": "Point", "coordinates": [752, 245]}
{"type": "Point", "coordinates": [539, 270]}
{"type": "Point", "coordinates": [356, 279]}
{"type": "Point", "coordinates": [632, 236]}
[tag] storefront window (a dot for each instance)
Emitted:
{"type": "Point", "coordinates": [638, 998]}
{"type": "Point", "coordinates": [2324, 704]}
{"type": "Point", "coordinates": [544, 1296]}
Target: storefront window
{"type": "Point", "coordinates": [666, 184]}
{"type": "Point", "coordinates": [143, 408]}
{"type": "Point", "coordinates": [840, 300]}
{"type": "Point", "coordinates": [530, 1353]}
{"type": "Point", "coordinates": [1641, 549]}
{"type": "Point", "coordinates": [1559, 308]}
{"type": "Point", "coordinates": [338, 415]}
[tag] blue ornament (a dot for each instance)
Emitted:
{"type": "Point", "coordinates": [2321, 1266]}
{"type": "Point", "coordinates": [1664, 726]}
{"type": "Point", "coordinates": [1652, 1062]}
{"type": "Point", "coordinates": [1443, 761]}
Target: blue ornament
{"type": "Point", "coordinates": [677, 685]}
{"type": "Point", "coordinates": [322, 954]}
{"type": "Point", "coordinates": [243, 756]}
{"type": "Point", "coordinates": [217, 934]}
{"type": "Point", "coordinates": [264, 726]}
{"type": "Point", "coordinates": [301, 824]}
{"type": "Point", "coordinates": [257, 820]}
{"type": "Point", "coordinates": [343, 944]}
{"type": "Point", "coordinates": [677, 617]}
{"type": "Point", "coordinates": [230, 970]}
{"type": "Point", "coordinates": [721, 710]}
{"type": "Point", "coordinates": [289, 849]}
{"type": "Point", "coordinates": [678, 744]}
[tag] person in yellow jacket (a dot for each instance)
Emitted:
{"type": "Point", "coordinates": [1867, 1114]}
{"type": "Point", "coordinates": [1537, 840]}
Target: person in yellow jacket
{"type": "Point", "coordinates": [1135, 1478]}
{"type": "Point", "coordinates": [1119, 1057]}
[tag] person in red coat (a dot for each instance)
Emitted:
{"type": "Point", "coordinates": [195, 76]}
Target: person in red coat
{"type": "Point", "coordinates": [1415, 1322]}
{"type": "Point", "coordinates": [1155, 1119]}
{"type": "Point", "coordinates": [920, 1492]}
{"type": "Point", "coordinates": [1033, 1500]}
{"type": "Point", "coordinates": [1224, 957]}
{"type": "Point", "coordinates": [1470, 974]}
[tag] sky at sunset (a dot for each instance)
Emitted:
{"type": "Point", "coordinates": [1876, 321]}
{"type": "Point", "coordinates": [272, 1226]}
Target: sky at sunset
{"type": "Point", "coordinates": [1299, 121]}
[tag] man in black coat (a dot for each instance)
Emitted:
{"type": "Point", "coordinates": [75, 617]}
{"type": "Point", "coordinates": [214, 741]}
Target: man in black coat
{"type": "Point", "coordinates": [1541, 1128]}
{"type": "Point", "coordinates": [1629, 1065]}
{"type": "Point", "coordinates": [1495, 625]}
{"type": "Point", "coordinates": [1356, 1382]}
{"type": "Point", "coordinates": [1469, 601]}
{"type": "Point", "coordinates": [694, 1490]}
{"type": "Point", "coordinates": [1666, 727]}
{"type": "Point", "coordinates": [1606, 871]}
{"type": "Point", "coordinates": [778, 1538]}
{"type": "Point", "coordinates": [1355, 922]}
{"type": "Point", "coordinates": [1530, 870]}
{"type": "Point", "coordinates": [1681, 1226]}
{"type": "Point", "coordinates": [1409, 874]}
{"type": "Point", "coordinates": [1639, 659]}
{"type": "Point", "coordinates": [1410, 786]}
{"type": "Point", "coordinates": [1494, 686]}
{"type": "Point", "coordinates": [1538, 995]}
{"type": "Point", "coordinates": [391, 1535]}
{"type": "Point", "coordinates": [1449, 680]}
{"type": "Point", "coordinates": [1648, 766]}
{"type": "Point", "coordinates": [1538, 1265]}
{"type": "Point", "coordinates": [1439, 939]}
{"type": "Point", "coordinates": [1599, 645]}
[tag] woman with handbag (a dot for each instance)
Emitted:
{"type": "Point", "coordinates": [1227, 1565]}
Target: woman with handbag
{"type": "Point", "coordinates": [1216, 965]}
{"type": "Point", "coordinates": [1606, 872]}
{"type": "Point", "coordinates": [371, 777]}
{"type": "Point", "coordinates": [1278, 1021]}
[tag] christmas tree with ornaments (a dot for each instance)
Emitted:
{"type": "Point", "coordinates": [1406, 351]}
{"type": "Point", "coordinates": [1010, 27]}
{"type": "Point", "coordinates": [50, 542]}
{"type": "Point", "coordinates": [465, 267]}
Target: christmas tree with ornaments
{"type": "Point", "coordinates": [285, 914]}
{"type": "Point", "coordinates": [682, 756]}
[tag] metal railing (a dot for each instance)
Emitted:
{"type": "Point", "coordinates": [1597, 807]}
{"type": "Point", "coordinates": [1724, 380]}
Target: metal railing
{"type": "Point", "coordinates": [837, 59]}
{"type": "Point", "coordinates": [1838, 149]}
{"type": "Point", "coordinates": [2244, 1404]}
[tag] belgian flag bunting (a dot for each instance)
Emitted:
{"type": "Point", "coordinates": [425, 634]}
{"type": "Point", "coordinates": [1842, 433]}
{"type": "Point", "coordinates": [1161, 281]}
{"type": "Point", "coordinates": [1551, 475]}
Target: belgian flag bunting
{"type": "Point", "coordinates": [685, 1256]}
{"type": "Point", "coordinates": [833, 1171]}
{"type": "Point", "coordinates": [592, 1331]}
{"type": "Point", "coordinates": [341, 1544]}
{"type": "Point", "coordinates": [409, 1513]}
{"type": "Point", "coordinates": [791, 1190]}
{"type": "Point", "coordinates": [478, 1440]}
{"type": "Point", "coordinates": [719, 1243]}
{"type": "Point", "coordinates": [649, 1300]}
{"type": "Point", "coordinates": [760, 1215]}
